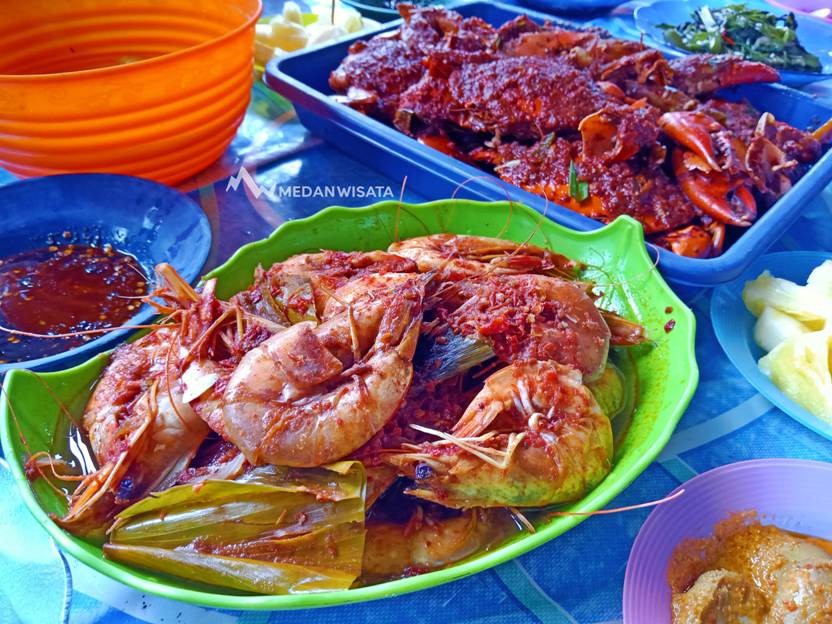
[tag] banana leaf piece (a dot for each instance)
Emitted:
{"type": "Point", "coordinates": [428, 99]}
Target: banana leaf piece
{"type": "Point", "coordinates": [274, 530]}
{"type": "Point", "coordinates": [240, 574]}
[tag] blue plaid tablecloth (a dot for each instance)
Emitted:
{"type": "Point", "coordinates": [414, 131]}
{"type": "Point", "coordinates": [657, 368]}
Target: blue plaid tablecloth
{"type": "Point", "coordinates": [577, 578]}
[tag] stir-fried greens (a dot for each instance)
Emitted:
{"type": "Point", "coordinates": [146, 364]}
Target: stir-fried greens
{"type": "Point", "coordinates": [755, 34]}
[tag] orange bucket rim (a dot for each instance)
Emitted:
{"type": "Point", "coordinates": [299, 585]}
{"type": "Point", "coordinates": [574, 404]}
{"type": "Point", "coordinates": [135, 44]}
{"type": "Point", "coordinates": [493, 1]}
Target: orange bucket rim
{"type": "Point", "coordinates": [162, 58]}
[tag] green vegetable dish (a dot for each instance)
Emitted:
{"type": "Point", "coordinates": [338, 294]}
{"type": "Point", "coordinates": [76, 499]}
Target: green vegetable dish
{"type": "Point", "coordinates": [755, 34]}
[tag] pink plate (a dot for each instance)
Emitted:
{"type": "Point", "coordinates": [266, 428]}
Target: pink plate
{"type": "Point", "coordinates": [792, 493]}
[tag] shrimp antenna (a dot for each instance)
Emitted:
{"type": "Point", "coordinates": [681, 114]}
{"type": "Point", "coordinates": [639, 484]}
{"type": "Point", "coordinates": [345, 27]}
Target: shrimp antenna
{"type": "Point", "coordinates": [61, 405]}
{"type": "Point", "coordinates": [505, 189]}
{"type": "Point", "coordinates": [521, 519]}
{"type": "Point", "coordinates": [138, 271]}
{"type": "Point", "coordinates": [495, 457]}
{"type": "Point", "coordinates": [168, 385]}
{"type": "Point", "coordinates": [415, 217]}
{"type": "Point", "coordinates": [614, 510]}
{"type": "Point", "coordinates": [638, 276]}
{"type": "Point", "coordinates": [257, 320]}
{"type": "Point", "coordinates": [35, 464]}
{"type": "Point", "coordinates": [503, 229]}
{"type": "Point", "coordinates": [86, 332]}
{"type": "Point", "coordinates": [399, 210]}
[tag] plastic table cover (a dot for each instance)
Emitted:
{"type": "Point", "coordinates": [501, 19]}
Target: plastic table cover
{"type": "Point", "coordinates": [576, 578]}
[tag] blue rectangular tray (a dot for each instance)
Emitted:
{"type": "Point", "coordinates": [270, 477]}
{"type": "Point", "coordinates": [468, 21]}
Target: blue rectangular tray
{"type": "Point", "coordinates": [303, 78]}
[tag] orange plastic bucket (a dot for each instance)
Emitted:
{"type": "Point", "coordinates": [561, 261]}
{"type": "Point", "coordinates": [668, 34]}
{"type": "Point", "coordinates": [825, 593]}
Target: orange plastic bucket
{"type": "Point", "coordinates": [154, 88]}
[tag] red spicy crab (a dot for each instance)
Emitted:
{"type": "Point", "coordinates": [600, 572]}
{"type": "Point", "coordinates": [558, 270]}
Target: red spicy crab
{"type": "Point", "coordinates": [600, 125]}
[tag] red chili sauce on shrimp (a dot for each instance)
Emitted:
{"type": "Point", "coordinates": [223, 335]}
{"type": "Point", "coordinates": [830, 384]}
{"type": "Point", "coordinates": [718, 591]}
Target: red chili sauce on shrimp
{"type": "Point", "coordinates": [62, 290]}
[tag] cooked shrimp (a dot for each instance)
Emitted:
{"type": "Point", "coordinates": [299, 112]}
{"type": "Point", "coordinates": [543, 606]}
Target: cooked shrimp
{"type": "Point", "coordinates": [142, 429]}
{"type": "Point", "coordinates": [435, 405]}
{"type": "Point", "coordinates": [532, 317]}
{"type": "Point", "coordinates": [533, 436]}
{"type": "Point", "coordinates": [429, 541]}
{"type": "Point", "coordinates": [454, 258]}
{"type": "Point", "coordinates": [457, 256]}
{"type": "Point", "coordinates": [124, 392]}
{"type": "Point", "coordinates": [310, 395]}
{"type": "Point", "coordinates": [298, 288]}
{"type": "Point", "coordinates": [372, 286]}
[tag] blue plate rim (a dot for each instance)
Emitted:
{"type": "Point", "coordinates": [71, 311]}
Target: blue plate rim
{"type": "Point", "coordinates": [145, 313]}
{"type": "Point", "coordinates": [787, 76]}
{"type": "Point", "coordinates": [726, 293]}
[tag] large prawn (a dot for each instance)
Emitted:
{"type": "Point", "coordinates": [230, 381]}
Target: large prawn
{"type": "Point", "coordinates": [298, 288]}
{"type": "Point", "coordinates": [143, 427]}
{"type": "Point", "coordinates": [430, 540]}
{"type": "Point", "coordinates": [456, 258]}
{"type": "Point", "coordinates": [531, 317]}
{"type": "Point", "coordinates": [533, 436]}
{"type": "Point", "coordinates": [312, 394]}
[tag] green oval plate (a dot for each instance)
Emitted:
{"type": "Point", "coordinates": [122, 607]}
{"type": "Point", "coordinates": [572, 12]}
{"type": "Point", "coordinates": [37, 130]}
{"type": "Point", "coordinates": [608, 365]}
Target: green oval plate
{"type": "Point", "coordinates": [618, 263]}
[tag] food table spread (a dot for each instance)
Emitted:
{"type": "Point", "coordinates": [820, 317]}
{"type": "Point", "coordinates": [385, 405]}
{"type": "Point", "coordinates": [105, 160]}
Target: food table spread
{"type": "Point", "coordinates": [575, 578]}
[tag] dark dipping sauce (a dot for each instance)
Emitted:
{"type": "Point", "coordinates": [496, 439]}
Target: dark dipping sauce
{"type": "Point", "coordinates": [65, 289]}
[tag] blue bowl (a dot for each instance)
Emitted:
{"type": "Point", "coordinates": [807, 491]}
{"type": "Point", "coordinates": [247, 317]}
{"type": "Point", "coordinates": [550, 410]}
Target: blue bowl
{"type": "Point", "coordinates": [303, 76]}
{"type": "Point", "coordinates": [146, 219]}
{"type": "Point", "coordinates": [734, 327]}
{"type": "Point", "coordinates": [577, 8]}
{"type": "Point", "coordinates": [378, 13]}
{"type": "Point", "coordinates": [814, 34]}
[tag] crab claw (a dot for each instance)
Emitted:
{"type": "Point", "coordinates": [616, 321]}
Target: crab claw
{"type": "Point", "coordinates": [823, 133]}
{"type": "Point", "coordinates": [691, 241]}
{"type": "Point", "coordinates": [617, 133]}
{"type": "Point", "coordinates": [360, 99]}
{"type": "Point", "coordinates": [613, 90]}
{"type": "Point", "coordinates": [693, 130]}
{"type": "Point", "coordinates": [703, 73]}
{"type": "Point", "coordinates": [719, 195]}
